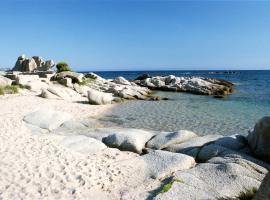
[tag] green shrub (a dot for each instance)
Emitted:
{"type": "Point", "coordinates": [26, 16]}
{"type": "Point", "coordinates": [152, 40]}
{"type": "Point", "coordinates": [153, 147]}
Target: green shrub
{"type": "Point", "coordinates": [9, 89]}
{"type": "Point", "coordinates": [1, 91]}
{"type": "Point", "coordinates": [62, 66]}
{"type": "Point", "coordinates": [248, 194]}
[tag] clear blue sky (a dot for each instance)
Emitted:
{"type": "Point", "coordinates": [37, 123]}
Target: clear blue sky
{"type": "Point", "coordinates": [138, 34]}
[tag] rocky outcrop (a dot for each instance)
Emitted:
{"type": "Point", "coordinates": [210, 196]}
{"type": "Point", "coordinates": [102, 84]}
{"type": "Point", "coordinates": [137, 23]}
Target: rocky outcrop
{"type": "Point", "coordinates": [223, 169]}
{"type": "Point", "coordinates": [259, 139]}
{"type": "Point", "coordinates": [221, 178]}
{"type": "Point", "coordinates": [195, 85]}
{"type": "Point", "coordinates": [104, 91]}
{"type": "Point", "coordinates": [36, 63]}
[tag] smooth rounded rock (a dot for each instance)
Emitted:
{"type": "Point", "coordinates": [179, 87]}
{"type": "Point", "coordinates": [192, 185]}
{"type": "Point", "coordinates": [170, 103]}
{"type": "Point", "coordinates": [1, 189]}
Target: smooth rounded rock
{"type": "Point", "coordinates": [161, 163]}
{"type": "Point", "coordinates": [82, 144]}
{"type": "Point", "coordinates": [47, 119]}
{"type": "Point", "coordinates": [98, 98]}
{"type": "Point", "coordinates": [5, 81]}
{"type": "Point", "coordinates": [163, 140]}
{"type": "Point", "coordinates": [192, 146]}
{"type": "Point", "coordinates": [128, 139]}
{"type": "Point", "coordinates": [259, 139]}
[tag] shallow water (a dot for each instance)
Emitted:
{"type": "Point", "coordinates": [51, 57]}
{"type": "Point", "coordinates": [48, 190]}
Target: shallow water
{"type": "Point", "coordinates": [235, 114]}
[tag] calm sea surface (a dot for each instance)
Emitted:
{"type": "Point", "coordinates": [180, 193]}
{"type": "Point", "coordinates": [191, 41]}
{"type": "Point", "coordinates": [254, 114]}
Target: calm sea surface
{"type": "Point", "coordinates": [236, 113]}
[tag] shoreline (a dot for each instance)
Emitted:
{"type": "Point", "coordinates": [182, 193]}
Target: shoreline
{"type": "Point", "coordinates": [55, 148]}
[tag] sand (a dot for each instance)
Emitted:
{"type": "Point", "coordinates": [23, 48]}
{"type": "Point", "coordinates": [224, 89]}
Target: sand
{"type": "Point", "coordinates": [36, 167]}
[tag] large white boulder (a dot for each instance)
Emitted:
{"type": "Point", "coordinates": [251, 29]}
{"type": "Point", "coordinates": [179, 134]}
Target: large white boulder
{"type": "Point", "coordinates": [165, 139]}
{"type": "Point", "coordinates": [29, 65]}
{"type": "Point", "coordinates": [259, 139]}
{"type": "Point", "coordinates": [218, 179]}
{"type": "Point", "coordinates": [24, 79]}
{"type": "Point", "coordinates": [98, 98]}
{"type": "Point", "coordinates": [5, 81]}
{"type": "Point", "coordinates": [76, 77]}
{"type": "Point", "coordinates": [61, 92]}
{"type": "Point", "coordinates": [47, 119]}
{"type": "Point", "coordinates": [192, 147]}
{"type": "Point", "coordinates": [48, 95]}
{"type": "Point", "coordinates": [128, 139]}
{"type": "Point", "coordinates": [161, 163]}
{"type": "Point", "coordinates": [82, 144]}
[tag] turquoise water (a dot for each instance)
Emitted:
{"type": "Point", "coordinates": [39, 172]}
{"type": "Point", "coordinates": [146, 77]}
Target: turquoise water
{"type": "Point", "coordinates": [235, 114]}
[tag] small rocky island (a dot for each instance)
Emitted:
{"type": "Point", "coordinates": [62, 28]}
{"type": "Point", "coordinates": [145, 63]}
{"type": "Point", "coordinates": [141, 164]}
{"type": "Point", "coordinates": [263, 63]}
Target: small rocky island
{"type": "Point", "coordinates": [55, 147]}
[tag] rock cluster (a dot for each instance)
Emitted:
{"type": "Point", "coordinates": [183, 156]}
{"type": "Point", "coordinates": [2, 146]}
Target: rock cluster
{"type": "Point", "coordinates": [206, 167]}
{"type": "Point", "coordinates": [75, 86]}
{"type": "Point", "coordinates": [195, 85]}
{"type": "Point", "coordinates": [36, 63]}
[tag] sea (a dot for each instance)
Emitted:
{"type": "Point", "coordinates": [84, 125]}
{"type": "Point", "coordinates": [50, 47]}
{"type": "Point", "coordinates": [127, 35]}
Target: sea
{"type": "Point", "coordinates": [234, 114]}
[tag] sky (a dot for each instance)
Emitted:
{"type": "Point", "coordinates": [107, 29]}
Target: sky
{"type": "Point", "coordinates": [137, 34]}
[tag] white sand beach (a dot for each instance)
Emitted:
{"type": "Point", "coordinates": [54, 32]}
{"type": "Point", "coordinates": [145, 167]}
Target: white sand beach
{"type": "Point", "coordinates": [35, 167]}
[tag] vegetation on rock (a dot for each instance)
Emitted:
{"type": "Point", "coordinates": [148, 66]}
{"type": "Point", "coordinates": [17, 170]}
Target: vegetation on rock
{"type": "Point", "coordinates": [87, 81]}
{"type": "Point", "coordinates": [8, 89]}
{"type": "Point", "coordinates": [62, 66]}
{"type": "Point", "coordinates": [168, 186]}
{"type": "Point", "coordinates": [248, 194]}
